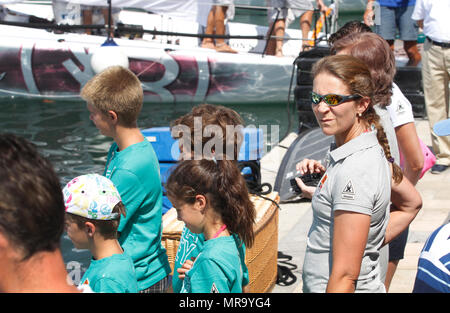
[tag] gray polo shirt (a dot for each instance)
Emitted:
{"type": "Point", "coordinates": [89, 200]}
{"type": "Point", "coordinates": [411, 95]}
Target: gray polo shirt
{"type": "Point", "coordinates": [358, 179]}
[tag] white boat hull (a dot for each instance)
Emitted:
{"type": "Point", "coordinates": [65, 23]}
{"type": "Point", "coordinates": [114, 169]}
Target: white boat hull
{"type": "Point", "coordinates": [39, 63]}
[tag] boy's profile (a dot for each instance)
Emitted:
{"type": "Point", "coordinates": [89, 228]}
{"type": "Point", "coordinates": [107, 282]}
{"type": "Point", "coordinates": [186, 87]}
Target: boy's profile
{"type": "Point", "coordinates": [114, 99]}
{"type": "Point", "coordinates": [93, 210]}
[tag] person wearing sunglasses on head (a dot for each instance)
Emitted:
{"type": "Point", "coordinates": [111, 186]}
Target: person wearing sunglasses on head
{"type": "Point", "coordinates": [351, 216]}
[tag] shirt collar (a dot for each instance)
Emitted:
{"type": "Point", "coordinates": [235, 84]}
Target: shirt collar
{"type": "Point", "coordinates": [363, 141]}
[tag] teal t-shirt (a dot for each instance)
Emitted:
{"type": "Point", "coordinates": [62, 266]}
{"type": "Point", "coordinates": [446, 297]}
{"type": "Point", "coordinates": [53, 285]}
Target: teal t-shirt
{"type": "Point", "coordinates": [135, 173]}
{"type": "Point", "coordinates": [114, 274]}
{"type": "Point", "coordinates": [191, 245]}
{"type": "Point", "coordinates": [217, 269]}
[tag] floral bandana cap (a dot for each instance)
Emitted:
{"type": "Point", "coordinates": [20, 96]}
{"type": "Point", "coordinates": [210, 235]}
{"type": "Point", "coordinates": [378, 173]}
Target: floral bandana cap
{"type": "Point", "coordinates": [92, 196]}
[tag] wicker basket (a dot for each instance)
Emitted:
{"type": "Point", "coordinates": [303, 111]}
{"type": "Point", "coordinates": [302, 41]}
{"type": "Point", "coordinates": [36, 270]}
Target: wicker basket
{"type": "Point", "coordinates": [261, 259]}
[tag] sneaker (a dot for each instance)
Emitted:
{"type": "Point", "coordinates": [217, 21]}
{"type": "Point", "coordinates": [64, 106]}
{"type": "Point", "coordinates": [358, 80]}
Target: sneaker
{"type": "Point", "coordinates": [438, 168]}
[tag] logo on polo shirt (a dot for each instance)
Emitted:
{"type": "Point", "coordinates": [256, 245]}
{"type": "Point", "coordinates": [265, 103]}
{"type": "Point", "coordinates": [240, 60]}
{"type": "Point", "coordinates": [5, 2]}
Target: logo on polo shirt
{"type": "Point", "coordinates": [349, 192]}
{"type": "Point", "coordinates": [322, 181]}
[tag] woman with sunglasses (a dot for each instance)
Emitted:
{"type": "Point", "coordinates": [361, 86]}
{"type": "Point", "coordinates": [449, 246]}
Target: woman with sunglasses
{"type": "Point", "coordinates": [351, 203]}
{"type": "Point", "coordinates": [397, 119]}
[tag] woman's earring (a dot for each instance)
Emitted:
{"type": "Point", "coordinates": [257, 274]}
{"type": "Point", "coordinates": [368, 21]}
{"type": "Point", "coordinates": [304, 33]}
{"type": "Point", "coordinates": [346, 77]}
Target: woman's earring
{"type": "Point", "coordinates": [359, 115]}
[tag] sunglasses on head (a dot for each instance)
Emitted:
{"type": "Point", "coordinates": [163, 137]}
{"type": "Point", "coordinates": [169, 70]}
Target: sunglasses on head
{"type": "Point", "coordinates": [331, 99]}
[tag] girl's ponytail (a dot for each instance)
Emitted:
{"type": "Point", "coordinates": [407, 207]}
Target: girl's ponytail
{"type": "Point", "coordinates": [237, 210]}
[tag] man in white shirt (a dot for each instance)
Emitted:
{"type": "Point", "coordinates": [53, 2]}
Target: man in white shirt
{"type": "Point", "coordinates": [432, 16]}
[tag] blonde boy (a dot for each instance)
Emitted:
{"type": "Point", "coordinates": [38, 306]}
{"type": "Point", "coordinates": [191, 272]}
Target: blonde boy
{"type": "Point", "coordinates": [114, 99]}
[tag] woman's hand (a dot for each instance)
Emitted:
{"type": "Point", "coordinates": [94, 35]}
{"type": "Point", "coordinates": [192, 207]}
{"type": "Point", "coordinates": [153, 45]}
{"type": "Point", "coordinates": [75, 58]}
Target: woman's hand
{"type": "Point", "coordinates": [307, 166]}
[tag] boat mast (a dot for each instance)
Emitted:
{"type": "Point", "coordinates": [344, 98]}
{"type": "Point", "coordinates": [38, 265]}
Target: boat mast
{"type": "Point", "coordinates": [109, 20]}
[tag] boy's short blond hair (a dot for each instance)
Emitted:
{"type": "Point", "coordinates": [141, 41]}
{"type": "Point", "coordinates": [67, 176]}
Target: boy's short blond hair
{"type": "Point", "coordinates": [116, 89]}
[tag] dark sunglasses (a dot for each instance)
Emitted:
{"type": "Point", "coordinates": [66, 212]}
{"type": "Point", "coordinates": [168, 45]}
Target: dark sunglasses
{"type": "Point", "coordinates": [331, 99]}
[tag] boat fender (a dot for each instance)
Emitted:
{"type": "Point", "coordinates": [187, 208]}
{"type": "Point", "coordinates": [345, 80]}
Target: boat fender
{"type": "Point", "coordinates": [108, 54]}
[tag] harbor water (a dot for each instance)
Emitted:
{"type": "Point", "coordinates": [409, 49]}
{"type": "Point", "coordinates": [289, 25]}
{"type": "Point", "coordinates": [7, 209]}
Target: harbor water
{"type": "Point", "coordinates": [64, 134]}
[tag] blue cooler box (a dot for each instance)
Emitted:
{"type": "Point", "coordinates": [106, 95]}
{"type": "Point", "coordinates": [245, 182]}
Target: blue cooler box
{"type": "Point", "coordinates": [167, 151]}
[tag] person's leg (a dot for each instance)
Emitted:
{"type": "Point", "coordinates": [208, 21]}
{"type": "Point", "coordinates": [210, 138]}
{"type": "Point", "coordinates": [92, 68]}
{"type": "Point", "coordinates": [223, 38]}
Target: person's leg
{"type": "Point", "coordinates": [396, 253]}
{"type": "Point", "coordinates": [279, 33]}
{"type": "Point", "coordinates": [209, 42]}
{"type": "Point", "coordinates": [87, 19]}
{"type": "Point", "coordinates": [408, 33]}
{"type": "Point", "coordinates": [305, 26]}
{"type": "Point", "coordinates": [270, 49]}
{"type": "Point", "coordinates": [391, 44]}
{"type": "Point", "coordinates": [219, 21]}
{"type": "Point", "coordinates": [435, 78]}
{"type": "Point", "coordinates": [413, 53]}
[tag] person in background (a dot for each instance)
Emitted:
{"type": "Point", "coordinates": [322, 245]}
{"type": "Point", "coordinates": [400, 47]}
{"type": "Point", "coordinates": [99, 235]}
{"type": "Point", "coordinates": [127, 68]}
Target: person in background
{"type": "Point", "coordinates": [191, 244]}
{"type": "Point", "coordinates": [350, 205]}
{"type": "Point", "coordinates": [31, 221]}
{"type": "Point", "coordinates": [396, 14]}
{"type": "Point", "coordinates": [348, 28]}
{"type": "Point", "coordinates": [212, 199]}
{"type": "Point", "coordinates": [93, 209]}
{"type": "Point", "coordinates": [432, 16]}
{"type": "Point", "coordinates": [433, 274]}
{"type": "Point", "coordinates": [114, 99]}
{"type": "Point", "coordinates": [396, 117]}
{"type": "Point", "coordinates": [99, 15]}
{"type": "Point", "coordinates": [216, 25]}
{"type": "Point", "coordinates": [68, 13]}
{"type": "Point", "coordinates": [288, 11]}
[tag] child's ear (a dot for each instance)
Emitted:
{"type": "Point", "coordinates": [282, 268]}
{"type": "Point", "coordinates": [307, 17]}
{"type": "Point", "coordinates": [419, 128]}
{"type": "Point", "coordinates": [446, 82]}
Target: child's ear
{"type": "Point", "coordinates": [112, 115]}
{"type": "Point", "coordinates": [200, 203]}
{"type": "Point", "coordinates": [89, 228]}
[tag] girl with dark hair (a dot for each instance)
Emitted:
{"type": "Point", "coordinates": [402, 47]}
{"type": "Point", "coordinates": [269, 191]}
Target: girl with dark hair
{"type": "Point", "coordinates": [211, 198]}
{"type": "Point", "coordinates": [351, 217]}
{"type": "Point", "coordinates": [209, 115]}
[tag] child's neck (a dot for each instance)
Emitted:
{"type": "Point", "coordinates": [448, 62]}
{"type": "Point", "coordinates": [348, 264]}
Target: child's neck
{"type": "Point", "coordinates": [104, 248]}
{"type": "Point", "coordinates": [215, 230]}
{"type": "Point", "coordinates": [126, 137]}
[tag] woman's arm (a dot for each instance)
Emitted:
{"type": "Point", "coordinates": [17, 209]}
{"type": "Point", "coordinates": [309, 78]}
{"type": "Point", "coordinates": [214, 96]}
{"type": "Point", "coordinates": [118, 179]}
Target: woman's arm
{"type": "Point", "coordinates": [406, 203]}
{"type": "Point", "coordinates": [350, 232]}
{"type": "Point", "coordinates": [409, 145]}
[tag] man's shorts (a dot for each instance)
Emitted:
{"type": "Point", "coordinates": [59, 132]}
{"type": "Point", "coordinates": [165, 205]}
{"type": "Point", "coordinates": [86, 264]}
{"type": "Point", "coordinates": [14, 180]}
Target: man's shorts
{"type": "Point", "coordinates": [223, 2]}
{"type": "Point", "coordinates": [298, 8]}
{"type": "Point", "coordinates": [392, 19]}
